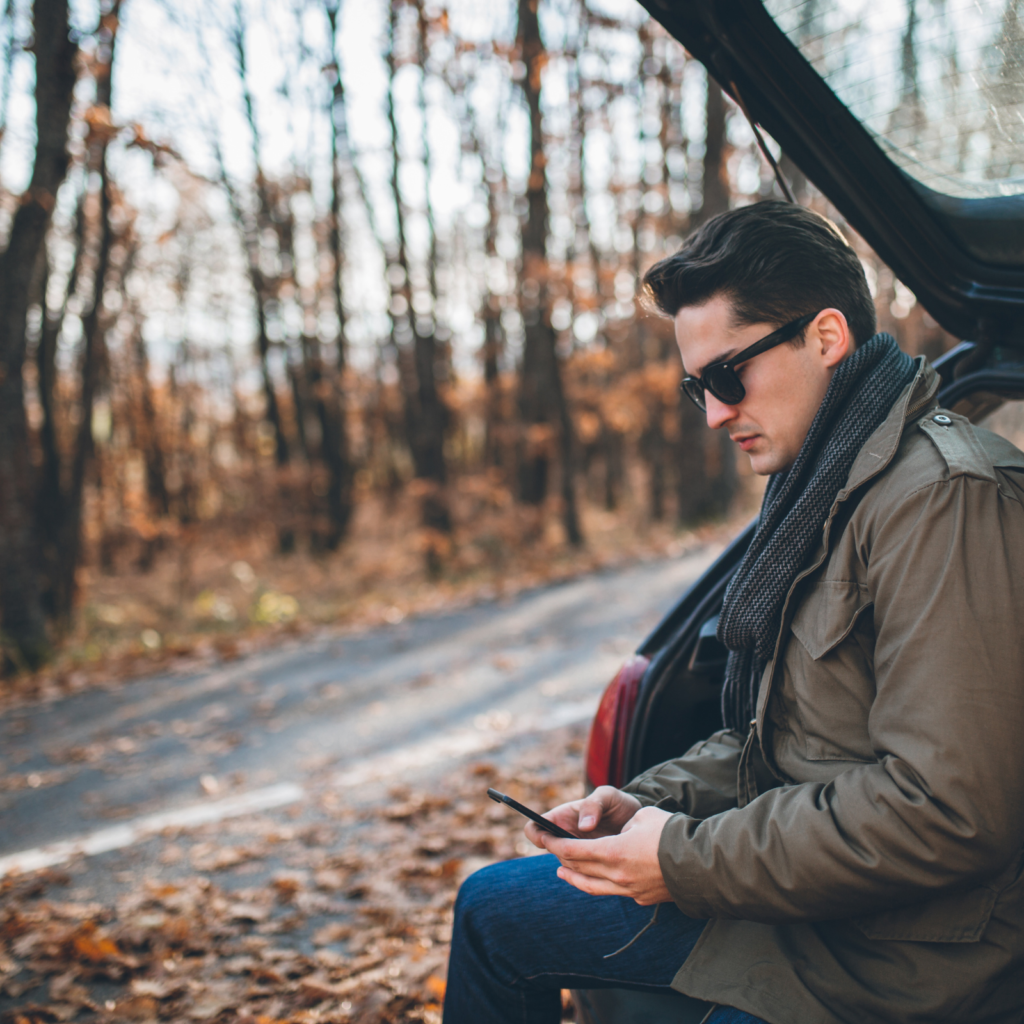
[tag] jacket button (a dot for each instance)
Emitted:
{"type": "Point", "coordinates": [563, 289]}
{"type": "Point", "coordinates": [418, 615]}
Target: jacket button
{"type": "Point", "coordinates": [943, 421]}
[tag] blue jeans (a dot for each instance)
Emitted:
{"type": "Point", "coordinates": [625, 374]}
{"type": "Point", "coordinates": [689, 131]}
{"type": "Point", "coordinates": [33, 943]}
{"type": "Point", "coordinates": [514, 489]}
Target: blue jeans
{"type": "Point", "coordinates": [522, 934]}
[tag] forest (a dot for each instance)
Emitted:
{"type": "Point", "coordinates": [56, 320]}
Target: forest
{"type": "Point", "coordinates": [314, 313]}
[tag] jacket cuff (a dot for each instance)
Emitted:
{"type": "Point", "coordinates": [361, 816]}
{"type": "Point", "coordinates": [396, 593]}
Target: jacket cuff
{"type": "Point", "coordinates": [678, 861]}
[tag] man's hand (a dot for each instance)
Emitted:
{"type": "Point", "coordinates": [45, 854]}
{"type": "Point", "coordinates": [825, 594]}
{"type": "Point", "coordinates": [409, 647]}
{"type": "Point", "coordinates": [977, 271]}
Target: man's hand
{"type": "Point", "coordinates": [603, 813]}
{"type": "Point", "coordinates": [616, 865]}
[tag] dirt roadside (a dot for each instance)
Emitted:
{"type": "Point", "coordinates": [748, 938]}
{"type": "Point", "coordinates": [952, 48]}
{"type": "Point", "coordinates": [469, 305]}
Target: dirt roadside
{"type": "Point", "coordinates": [335, 909]}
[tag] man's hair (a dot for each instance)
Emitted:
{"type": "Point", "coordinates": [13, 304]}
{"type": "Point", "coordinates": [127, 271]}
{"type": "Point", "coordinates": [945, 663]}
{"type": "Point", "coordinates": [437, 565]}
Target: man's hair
{"type": "Point", "coordinates": [774, 261]}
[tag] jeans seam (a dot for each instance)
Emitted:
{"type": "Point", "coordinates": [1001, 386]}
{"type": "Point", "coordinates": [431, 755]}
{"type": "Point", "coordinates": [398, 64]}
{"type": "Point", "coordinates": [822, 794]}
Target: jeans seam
{"type": "Point", "coordinates": [591, 977]}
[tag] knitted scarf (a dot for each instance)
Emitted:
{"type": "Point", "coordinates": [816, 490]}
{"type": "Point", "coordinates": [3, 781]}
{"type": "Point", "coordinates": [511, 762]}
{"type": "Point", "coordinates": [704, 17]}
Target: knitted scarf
{"type": "Point", "coordinates": [796, 503]}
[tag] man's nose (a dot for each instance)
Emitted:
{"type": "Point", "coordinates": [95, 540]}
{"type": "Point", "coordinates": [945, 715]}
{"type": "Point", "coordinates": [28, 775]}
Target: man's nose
{"type": "Point", "coordinates": [718, 412]}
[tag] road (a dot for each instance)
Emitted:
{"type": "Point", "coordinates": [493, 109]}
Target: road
{"type": "Point", "coordinates": [385, 704]}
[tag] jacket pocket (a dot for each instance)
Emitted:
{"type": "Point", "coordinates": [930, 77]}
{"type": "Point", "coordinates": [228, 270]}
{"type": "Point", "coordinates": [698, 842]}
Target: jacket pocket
{"type": "Point", "coordinates": [955, 917]}
{"type": "Point", "coordinates": [828, 673]}
{"type": "Point", "coordinates": [827, 615]}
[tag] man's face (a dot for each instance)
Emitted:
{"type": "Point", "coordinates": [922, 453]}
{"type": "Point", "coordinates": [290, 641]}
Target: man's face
{"type": "Point", "coordinates": [784, 386]}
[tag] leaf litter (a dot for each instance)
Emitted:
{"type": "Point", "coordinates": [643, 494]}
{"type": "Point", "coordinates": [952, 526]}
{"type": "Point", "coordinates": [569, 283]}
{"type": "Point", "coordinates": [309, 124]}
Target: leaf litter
{"type": "Point", "coordinates": [342, 916]}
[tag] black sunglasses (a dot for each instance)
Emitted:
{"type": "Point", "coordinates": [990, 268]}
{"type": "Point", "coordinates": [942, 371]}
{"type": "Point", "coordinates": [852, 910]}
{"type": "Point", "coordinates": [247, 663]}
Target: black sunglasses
{"type": "Point", "coordinates": [722, 380]}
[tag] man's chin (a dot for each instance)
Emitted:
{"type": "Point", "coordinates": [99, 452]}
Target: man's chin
{"type": "Point", "coordinates": [764, 463]}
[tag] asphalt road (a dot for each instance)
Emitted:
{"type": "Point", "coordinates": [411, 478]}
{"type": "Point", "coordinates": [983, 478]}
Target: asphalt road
{"type": "Point", "coordinates": [385, 704]}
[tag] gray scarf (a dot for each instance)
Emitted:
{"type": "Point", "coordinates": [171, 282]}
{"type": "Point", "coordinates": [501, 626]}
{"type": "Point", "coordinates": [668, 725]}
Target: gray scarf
{"type": "Point", "coordinates": [796, 503]}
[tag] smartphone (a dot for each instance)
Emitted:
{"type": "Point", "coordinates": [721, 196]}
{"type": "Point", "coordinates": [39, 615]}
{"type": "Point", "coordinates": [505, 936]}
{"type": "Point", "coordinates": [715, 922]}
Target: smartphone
{"type": "Point", "coordinates": [548, 826]}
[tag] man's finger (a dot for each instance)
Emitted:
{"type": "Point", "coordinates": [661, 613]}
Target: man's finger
{"type": "Point", "coordinates": [590, 812]}
{"type": "Point", "coordinates": [589, 884]}
{"type": "Point", "coordinates": [582, 850]}
{"type": "Point", "coordinates": [535, 835]}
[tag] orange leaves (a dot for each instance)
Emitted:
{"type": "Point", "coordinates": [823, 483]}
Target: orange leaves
{"type": "Point", "coordinates": [606, 399]}
{"type": "Point", "coordinates": [101, 125]}
{"type": "Point", "coordinates": [262, 951]}
{"type": "Point", "coordinates": [89, 943]}
{"type": "Point", "coordinates": [436, 987]}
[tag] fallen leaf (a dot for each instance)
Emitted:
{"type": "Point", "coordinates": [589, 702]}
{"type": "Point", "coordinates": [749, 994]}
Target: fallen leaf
{"type": "Point", "coordinates": [247, 912]}
{"type": "Point", "coordinates": [332, 933]}
{"type": "Point", "coordinates": [93, 945]}
{"type": "Point", "coordinates": [154, 988]}
{"type": "Point", "coordinates": [330, 880]}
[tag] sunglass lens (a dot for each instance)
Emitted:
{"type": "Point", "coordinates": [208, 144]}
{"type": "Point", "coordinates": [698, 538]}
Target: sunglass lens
{"type": "Point", "coordinates": [695, 392]}
{"type": "Point", "coordinates": [725, 385]}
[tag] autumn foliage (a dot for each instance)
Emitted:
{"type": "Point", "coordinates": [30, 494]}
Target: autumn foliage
{"type": "Point", "coordinates": [320, 355]}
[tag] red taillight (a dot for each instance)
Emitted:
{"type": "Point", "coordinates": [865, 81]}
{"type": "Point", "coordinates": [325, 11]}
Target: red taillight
{"type": "Point", "coordinates": [606, 750]}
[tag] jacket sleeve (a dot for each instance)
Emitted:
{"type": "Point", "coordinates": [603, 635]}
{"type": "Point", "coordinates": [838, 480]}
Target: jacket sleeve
{"type": "Point", "coordinates": [700, 784]}
{"type": "Point", "coordinates": [940, 807]}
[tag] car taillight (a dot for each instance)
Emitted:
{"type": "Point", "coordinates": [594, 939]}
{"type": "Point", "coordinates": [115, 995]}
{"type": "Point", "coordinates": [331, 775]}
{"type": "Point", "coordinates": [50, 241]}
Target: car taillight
{"type": "Point", "coordinates": [606, 749]}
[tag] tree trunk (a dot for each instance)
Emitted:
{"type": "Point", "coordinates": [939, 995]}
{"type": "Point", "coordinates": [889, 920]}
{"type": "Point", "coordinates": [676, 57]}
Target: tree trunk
{"type": "Point", "coordinates": [494, 343]}
{"type": "Point", "coordinates": [153, 452]}
{"type": "Point", "coordinates": [715, 178]}
{"type": "Point", "coordinates": [655, 453]}
{"type": "Point", "coordinates": [24, 623]}
{"type": "Point", "coordinates": [93, 329]}
{"type": "Point", "coordinates": [542, 403]}
{"type": "Point", "coordinates": [433, 414]}
{"type": "Point", "coordinates": [490, 309]}
{"type": "Point", "coordinates": [424, 412]}
{"type": "Point", "coordinates": [51, 506]}
{"type": "Point", "coordinates": [706, 459]}
{"type": "Point", "coordinates": [93, 333]}
{"type": "Point", "coordinates": [330, 394]}
{"type": "Point", "coordinates": [251, 239]}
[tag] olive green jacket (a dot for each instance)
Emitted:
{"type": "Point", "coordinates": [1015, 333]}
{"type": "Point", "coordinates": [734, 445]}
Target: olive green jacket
{"type": "Point", "coordinates": [859, 854]}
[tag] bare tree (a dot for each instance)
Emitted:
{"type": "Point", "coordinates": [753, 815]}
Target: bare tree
{"type": "Point", "coordinates": [705, 461]}
{"type": "Point", "coordinates": [330, 390]}
{"type": "Point", "coordinates": [23, 619]}
{"type": "Point", "coordinates": [414, 336]}
{"type": "Point", "coordinates": [251, 229]}
{"type": "Point", "coordinates": [94, 323]}
{"type": "Point", "coordinates": [51, 505]}
{"type": "Point", "coordinates": [542, 404]}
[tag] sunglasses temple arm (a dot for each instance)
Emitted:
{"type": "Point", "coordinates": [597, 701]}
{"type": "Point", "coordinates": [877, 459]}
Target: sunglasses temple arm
{"type": "Point", "coordinates": [783, 334]}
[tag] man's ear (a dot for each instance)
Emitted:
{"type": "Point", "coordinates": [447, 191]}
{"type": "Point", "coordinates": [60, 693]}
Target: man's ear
{"type": "Point", "coordinates": [834, 339]}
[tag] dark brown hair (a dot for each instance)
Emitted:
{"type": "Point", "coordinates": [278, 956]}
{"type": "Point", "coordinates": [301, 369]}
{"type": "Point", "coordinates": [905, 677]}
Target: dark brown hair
{"type": "Point", "coordinates": [774, 261]}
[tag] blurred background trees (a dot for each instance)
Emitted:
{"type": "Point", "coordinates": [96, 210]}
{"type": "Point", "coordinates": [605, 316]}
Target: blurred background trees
{"type": "Point", "coordinates": [276, 275]}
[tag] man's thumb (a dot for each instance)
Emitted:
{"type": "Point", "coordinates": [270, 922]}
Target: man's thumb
{"type": "Point", "coordinates": [589, 815]}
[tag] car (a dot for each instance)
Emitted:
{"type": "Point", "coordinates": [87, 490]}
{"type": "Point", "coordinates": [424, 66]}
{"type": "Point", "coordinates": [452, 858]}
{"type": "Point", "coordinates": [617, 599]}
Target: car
{"type": "Point", "coordinates": [928, 166]}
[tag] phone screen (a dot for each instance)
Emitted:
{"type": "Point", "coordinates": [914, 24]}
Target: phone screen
{"type": "Point", "coordinates": [541, 822]}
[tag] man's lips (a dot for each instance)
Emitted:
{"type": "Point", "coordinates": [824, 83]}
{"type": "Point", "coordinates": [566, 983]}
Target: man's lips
{"type": "Point", "coordinates": [745, 441]}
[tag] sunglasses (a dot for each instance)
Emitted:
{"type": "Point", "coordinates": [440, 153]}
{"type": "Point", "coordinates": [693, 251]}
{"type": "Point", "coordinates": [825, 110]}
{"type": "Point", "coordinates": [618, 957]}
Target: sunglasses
{"type": "Point", "coordinates": [722, 380]}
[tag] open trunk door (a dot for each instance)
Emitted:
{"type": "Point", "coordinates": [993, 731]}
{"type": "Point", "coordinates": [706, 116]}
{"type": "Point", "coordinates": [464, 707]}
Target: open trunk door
{"type": "Point", "coordinates": [908, 115]}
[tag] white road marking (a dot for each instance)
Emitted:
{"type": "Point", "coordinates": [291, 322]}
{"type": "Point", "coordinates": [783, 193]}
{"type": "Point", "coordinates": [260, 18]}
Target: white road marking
{"type": "Point", "coordinates": [119, 836]}
{"type": "Point", "coordinates": [490, 732]}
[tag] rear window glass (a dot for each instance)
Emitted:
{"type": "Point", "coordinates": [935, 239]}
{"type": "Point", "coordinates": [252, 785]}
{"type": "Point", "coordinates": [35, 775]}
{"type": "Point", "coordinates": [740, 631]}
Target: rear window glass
{"type": "Point", "coordinates": [939, 83]}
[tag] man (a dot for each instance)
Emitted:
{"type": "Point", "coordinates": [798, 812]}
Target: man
{"type": "Point", "coordinates": [850, 848]}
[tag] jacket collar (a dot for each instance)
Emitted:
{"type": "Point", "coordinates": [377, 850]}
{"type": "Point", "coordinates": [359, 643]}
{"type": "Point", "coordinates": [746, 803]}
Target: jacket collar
{"type": "Point", "coordinates": [880, 447]}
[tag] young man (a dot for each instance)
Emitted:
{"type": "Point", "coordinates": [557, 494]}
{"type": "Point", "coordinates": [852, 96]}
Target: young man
{"type": "Point", "coordinates": [850, 847]}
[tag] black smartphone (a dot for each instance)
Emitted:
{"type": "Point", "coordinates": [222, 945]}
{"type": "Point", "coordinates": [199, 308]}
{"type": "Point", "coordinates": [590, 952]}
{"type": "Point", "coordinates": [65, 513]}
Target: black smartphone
{"type": "Point", "coordinates": [548, 826]}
